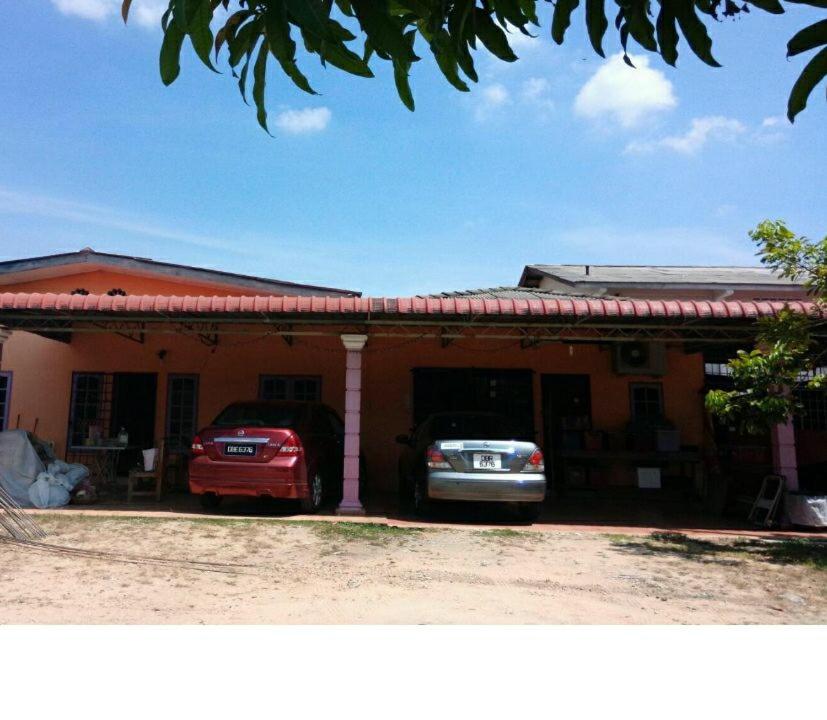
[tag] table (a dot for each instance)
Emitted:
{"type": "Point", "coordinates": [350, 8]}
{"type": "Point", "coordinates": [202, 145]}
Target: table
{"type": "Point", "coordinates": [102, 461]}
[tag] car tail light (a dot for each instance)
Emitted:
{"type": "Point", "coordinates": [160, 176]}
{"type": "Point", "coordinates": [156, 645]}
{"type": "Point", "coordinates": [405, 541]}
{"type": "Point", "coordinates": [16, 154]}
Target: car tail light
{"type": "Point", "coordinates": [436, 459]}
{"type": "Point", "coordinates": [291, 447]}
{"type": "Point", "coordinates": [197, 446]}
{"type": "Point", "coordinates": [535, 462]}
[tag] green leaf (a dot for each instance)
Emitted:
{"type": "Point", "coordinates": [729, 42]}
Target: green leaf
{"type": "Point", "coordinates": [342, 57]}
{"type": "Point", "coordinates": [562, 19]}
{"type": "Point", "coordinates": [283, 47]}
{"type": "Point", "coordinates": [383, 32]}
{"type": "Point", "coordinates": [695, 33]}
{"type": "Point", "coordinates": [310, 15]}
{"type": "Point", "coordinates": [639, 26]}
{"type": "Point", "coordinates": [667, 34]}
{"type": "Point", "coordinates": [170, 60]}
{"type": "Point", "coordinates": [259, 81]}
{"type": "Point", "coordinates": [811, 3]}
{"type": "Point", "coordinates": [770, 6]}
{"type": "Point", "coordinates": [403, 86]}
{"type": "Point", "coordinates": [596, 24]}
{"type": "Point", "coordinates": [200, 34]}
{"type": "Point", "coordinates": [446, 59]}
{"type": "Point", "coordinates": [493, 37]}
{"type": "Point", "coordinates": [814, 72]}
{"type": "Point", "coordinates": [809, 38]}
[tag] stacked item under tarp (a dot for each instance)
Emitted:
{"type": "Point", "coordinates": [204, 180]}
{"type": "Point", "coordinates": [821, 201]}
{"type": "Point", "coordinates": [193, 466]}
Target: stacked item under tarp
{"type": "Point", "coordinates": [32, 480]}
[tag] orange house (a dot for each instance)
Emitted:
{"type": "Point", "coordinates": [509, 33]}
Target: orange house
{"type": "Point", "coordinates": [93, 339]}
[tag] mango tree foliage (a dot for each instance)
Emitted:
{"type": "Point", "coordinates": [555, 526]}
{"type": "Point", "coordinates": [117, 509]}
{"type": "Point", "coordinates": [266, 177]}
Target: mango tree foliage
{"type": "Point", "coordinates": [790, 346]}
{"type": "Point", "coordinates": [351, 34]}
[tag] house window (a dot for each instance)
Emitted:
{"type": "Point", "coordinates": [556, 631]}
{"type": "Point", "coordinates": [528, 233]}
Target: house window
{"type": "Point", "coordinates": [5, 399]}
{"type": "Point", "coordinates": [91, 406]}
{"type": "Point", "coordinates": [307, 388]}
{"type": "Point", "coordinates": [813, 414]}
{"type": "Point", "coordinates": [646, 401]}
{"type": "Point", "coordinates": [182, 411]}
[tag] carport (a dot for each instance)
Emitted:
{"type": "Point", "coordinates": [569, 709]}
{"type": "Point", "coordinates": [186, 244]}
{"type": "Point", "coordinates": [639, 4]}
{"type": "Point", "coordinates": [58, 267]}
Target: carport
{"type": "Point", "coordinates": [386, 362]}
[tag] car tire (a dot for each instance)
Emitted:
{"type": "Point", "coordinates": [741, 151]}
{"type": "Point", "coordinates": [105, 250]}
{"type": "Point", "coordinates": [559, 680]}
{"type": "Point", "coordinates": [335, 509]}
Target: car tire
{"type": "Point", "coordinates": [420, 500]}
{"type": "Point", "coordinates": [315, 498]}
{"type": "Point", "coordinates": [530, 511]}
{"type": "Point", "coordinates": [210, 501]}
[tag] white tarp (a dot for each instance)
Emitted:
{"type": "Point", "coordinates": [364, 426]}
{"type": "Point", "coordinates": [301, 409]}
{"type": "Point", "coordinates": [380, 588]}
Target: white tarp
{"type": "Point", "coordinates": [807, 510]}
{"type": "Point", "coordinates": [24, 477]}
{"type": "Point", "coordinates": [19, 465]}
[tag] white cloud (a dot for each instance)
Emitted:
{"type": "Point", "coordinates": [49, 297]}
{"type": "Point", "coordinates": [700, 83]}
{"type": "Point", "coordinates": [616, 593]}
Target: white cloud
{"type": "Point", "coordinates": [534, 88]}
{"type": "Point", "coordinates": [773, 121]}
{"type": "Point", "coordinates": [489, 98]}
{"type": "Point", "coordinates": [701, 131]}
{"type": "Point", "coordinates": [307, 120]}
{"type": "Point", "coordinates": [627, 95]}
{"type": "Point", "coordinates": [13, 202]}
{"type": "Point", "coordinates": [146, 13]}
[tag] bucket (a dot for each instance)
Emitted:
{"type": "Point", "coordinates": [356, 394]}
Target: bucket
{"type": "Point", "coordinates": [149, 459]}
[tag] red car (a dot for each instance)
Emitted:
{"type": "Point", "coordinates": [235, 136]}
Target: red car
{"type": "Point", "coordinates": [277, 449]}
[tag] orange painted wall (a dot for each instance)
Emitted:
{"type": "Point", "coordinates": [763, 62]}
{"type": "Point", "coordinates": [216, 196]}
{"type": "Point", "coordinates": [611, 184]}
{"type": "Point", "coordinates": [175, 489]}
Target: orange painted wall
{"type": "Point", "coordinates": [101, 281]}
{"type": "Point", "coordinates": [388, 386]}
{"type": "Point", "coordinates": [42, 376]}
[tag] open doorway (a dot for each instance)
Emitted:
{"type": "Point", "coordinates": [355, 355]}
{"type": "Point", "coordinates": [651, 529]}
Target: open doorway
{"type": "Point", "coordinates": [133, 408]}
{"type": "Point", "coordinates": [567, 415]}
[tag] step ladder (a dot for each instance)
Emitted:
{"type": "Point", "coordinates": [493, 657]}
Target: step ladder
{"type": "Point", "coordinates": [768, 501]}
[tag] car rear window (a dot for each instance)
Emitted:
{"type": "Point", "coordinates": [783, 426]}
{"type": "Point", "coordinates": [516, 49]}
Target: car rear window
{"type": "Point", "coordinates": [260, 415]}
{"type": "Point", "coordinates": [473, 427]}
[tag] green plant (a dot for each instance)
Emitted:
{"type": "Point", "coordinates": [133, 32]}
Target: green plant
{"type": "Point", "coordinates": [787, 354]}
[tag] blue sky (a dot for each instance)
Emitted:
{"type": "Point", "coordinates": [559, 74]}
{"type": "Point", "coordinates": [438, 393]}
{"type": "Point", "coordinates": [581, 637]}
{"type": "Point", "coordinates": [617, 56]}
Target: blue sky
{"type": "Point", "coordinates": [559, 157]}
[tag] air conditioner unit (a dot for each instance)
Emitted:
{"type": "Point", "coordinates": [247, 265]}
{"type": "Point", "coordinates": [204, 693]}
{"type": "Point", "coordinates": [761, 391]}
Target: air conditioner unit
{"type": "Point", "coordinates": [640, 358]}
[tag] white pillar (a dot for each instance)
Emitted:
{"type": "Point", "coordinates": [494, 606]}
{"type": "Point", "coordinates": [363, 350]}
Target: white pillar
{"type": "Point", "coordinates": [354, 344]}
{"type": "Point", "coordinates": [784, 458]}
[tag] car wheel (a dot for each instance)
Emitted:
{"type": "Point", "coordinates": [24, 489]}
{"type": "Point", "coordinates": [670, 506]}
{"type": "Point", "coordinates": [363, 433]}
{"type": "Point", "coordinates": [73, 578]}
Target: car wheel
{"type": "Point", "coordinates": [314, 499]}
{"type": "Point", "coordinates": [210, 501]}
{"type": "Point", "coordinates": [421, 501]}
{"type": "Point", "coordinates": [530, 511]}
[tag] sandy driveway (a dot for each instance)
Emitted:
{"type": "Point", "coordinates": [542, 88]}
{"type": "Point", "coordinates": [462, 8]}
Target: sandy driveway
{"type": "Point", "coordinates": [99, 569]}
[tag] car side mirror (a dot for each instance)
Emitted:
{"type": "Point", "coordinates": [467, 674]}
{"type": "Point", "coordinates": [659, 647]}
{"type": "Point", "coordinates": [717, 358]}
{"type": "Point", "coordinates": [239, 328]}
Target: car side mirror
{"type": "Point", "coordinates": [403, 439]}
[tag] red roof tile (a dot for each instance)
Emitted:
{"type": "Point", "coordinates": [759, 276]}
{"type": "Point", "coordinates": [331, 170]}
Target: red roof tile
{"type": "Point", "coordinates": [560, 307]}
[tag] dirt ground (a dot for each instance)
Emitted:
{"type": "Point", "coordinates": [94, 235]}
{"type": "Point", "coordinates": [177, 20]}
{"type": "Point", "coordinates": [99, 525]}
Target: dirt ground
{"type": "Point", "coordinates": [99, 569]}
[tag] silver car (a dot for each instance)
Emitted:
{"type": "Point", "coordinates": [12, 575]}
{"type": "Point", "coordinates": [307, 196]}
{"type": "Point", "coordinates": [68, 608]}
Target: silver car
{"type": "Point", "coordinates": [473, 456]}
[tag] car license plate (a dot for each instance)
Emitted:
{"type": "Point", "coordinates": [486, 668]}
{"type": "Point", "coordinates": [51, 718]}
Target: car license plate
{"type": "Point", "coordinates": [236, 449]}
{"type": "Point", "coordinates": [487, 461]}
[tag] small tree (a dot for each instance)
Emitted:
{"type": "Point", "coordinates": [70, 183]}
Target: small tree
{"type": "Point", "coordinates": [787, 353]}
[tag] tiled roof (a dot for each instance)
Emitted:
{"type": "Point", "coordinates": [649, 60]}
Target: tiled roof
{"type": "Point", "coordinates": [170, 270]}
{"type": "Point", "coordinates": [365, 309]}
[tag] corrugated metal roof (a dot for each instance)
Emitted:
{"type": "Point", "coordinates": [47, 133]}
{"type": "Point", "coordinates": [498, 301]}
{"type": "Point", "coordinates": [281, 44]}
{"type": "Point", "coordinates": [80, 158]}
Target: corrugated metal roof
{"type": "Point", "coordinates": [375, 308]}
{"type": "Point", "coordinates": [664, 274]}
{"type": "Point", "coordinates": [512, 293]}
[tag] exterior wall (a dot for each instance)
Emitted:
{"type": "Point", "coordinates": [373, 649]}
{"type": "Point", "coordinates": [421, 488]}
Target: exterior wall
{"type": "Point", "coordinates": [387, 388]}
{"type": "Point", "coordinates": [42, 378]}
{"type": "Point", "coordinates": [42, 372]}
{"type": "Point", "coordinates": [101, 281]}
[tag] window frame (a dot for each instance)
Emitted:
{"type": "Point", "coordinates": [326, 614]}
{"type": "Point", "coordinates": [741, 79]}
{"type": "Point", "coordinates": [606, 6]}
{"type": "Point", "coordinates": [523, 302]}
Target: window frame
{"type": "Point", "coordinates": [105, 398]}
{"type": "Point", "coordinates": [170, 437]}
{"type": "Point", "coordinates": [4, 415]}
{"type": "Point", "coordinates": [290, 381]}
{"type": "Point", "coordinates": [645, 386]}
